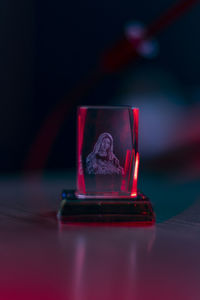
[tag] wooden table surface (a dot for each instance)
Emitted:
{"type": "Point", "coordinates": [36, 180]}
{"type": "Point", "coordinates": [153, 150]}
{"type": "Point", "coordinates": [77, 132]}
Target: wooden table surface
{"type": "Point", "coordinates": [40, 259]}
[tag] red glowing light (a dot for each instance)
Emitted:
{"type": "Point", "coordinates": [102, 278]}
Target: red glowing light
{"type": "Point", "coordinates": [136, 156]}
{"type": "Point", "coordinates": [80, 175]}
{"type": "Point", "coordinates": [135, 177]}
{"type": "Point", "coordinates": [133, 194]}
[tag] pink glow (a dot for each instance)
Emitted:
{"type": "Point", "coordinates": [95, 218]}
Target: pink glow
{"type": "Point", "coordinates": [136, 154]}
{"type": "Point", "coordinates": [135, 177]}
{"type": "Point", "coordinates": [80, 175]}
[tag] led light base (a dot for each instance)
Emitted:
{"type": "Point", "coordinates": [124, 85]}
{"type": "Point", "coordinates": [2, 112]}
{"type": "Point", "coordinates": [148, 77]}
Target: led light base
{"type": "Point", "coordinates": [73, 209]}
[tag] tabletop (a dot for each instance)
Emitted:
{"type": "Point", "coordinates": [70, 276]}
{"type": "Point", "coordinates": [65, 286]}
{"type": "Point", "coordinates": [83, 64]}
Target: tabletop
{"type": "Point", "coordinates": [42, 259]}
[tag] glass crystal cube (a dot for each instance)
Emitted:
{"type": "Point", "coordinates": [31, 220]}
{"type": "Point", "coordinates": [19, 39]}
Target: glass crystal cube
{"type": "Point", "coordinates": [107, 152]}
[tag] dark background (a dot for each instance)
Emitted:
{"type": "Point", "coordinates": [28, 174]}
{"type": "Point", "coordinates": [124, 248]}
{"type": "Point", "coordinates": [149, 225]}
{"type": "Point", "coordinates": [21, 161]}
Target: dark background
{"type": "Point", "coordinates": [46, 49]}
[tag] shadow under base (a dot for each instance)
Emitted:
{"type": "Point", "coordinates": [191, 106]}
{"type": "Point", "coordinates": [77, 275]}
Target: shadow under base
{"type": "Point", "coordinates": [73, 209]}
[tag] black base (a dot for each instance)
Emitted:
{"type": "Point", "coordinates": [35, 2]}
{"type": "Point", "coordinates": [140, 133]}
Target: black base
{"type": "Point", "coordinates": [73, 209]}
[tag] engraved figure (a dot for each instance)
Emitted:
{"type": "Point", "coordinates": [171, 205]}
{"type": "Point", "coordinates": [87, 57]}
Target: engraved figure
{"type": "Point", "coordinates": [102, 160]}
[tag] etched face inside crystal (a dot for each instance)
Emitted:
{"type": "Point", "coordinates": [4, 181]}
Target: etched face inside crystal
{"type": "Point", "coordinates": [104, 147]}
{"type": "Point", "coordinates": [102, 160]}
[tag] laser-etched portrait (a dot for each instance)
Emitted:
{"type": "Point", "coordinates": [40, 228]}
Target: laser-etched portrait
{"type": "Point", "coordinates": [102, 160]}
